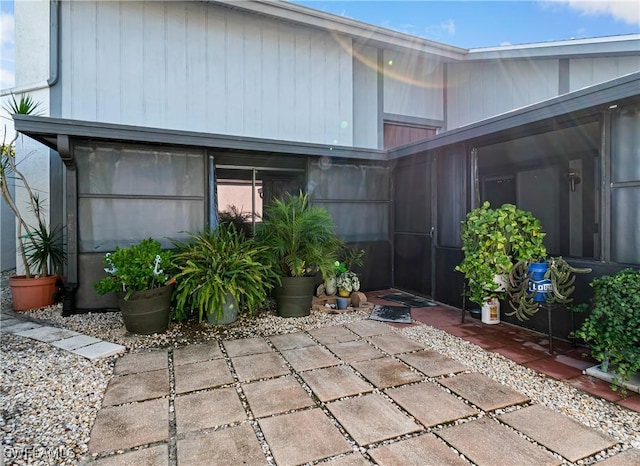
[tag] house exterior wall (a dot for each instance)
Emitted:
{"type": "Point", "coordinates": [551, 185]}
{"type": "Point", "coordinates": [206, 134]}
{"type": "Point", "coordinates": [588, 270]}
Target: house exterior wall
{"type": "Point", "coordinates": [585, 72]}
{"type": "Point", "coordinates": [193, 66]}
{"type": "Point", "coordinates": [483, 89]}
{"type": "Point", "coordinates": [413, 85]}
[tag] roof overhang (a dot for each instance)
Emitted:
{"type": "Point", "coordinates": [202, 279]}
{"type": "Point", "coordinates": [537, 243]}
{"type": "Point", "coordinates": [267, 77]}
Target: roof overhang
{"type": "Point", "coordinates": [48, 131]}
{"type": "Point", "coordinates": [572, 106]}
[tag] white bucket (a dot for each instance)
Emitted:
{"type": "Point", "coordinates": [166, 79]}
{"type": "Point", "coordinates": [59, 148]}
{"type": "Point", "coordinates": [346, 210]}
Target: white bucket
{"type": "Point", "coordinates": [491, 311]}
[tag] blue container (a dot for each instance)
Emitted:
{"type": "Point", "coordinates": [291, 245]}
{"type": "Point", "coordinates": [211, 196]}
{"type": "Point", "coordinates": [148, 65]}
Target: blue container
{"type": "Point", "coordinates": [537, 283]}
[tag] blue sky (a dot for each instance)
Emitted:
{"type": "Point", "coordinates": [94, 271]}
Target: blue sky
{"type": "Point", "coordinates": [467, 24]}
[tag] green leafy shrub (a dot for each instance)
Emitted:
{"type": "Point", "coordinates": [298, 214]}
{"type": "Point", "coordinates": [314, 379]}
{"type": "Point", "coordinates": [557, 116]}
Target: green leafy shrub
{"type": "Point", "coordinates": [135, 268]}
{"type": "Point", "coordinates": [612, 328]}
{"type": "Point", "coordinates": [492, 241]}
{"type": "Point", "coordinates": [213, 264]}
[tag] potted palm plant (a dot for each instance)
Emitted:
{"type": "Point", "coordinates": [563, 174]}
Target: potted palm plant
{"type": "Point", "coordinates": [219, 272]}
{"type": "Point", "coordinates": [137, 275]}
{"type": "Point", "coordinates": [492, 241]}
{"type": "Point", "coordinates": [40, 247]}
{"type": "Point", "coordinates": [300, 242]}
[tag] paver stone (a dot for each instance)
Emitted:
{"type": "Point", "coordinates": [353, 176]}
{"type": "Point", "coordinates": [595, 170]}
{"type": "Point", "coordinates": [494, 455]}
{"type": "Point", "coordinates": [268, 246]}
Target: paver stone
{"type": "Point", "coordinates": [335, 382]}
{"type": "Point", "coordinates": [483, 392]}
{"type": "Point", "coordinates": [310, 357]}
{"type": "Point", "coordinates": [196, 353]}
{"type": "Point", "coordinates": [350, 460]}
{"type": "Point", "coordinates": [128, 426]}
{"type": "Point", "coordinates": [433, 363]}
{"type": "Point", "coordinates": [206, 374]}
{"type": "Point", "coordinates": [302, 437]}
{"type": "Point", "coordinates": [386, 372]}
{"type": "Point", "coordinates": [246, 346]}
{"type": "Point", "coordinates": [291, 341]}
{"type": "Point", "coordinates": [333, 334]}
{"type": "Point", "coordinates": [430, 404]}
{"type": "Point", "coordinates": [371, 418]}
{"type": "Point", "coordinates": [367, 328]}
{"type": "Point", "coordinates": [47, 334]}
{"type": "Point", "coordinates": [136, 387]}
{"type": "Point", "coordinates": [486, 442]}
{"type": "Point", "coordinates": [204, 410]}
{"type": "Point", "coordinates": [152, 456]}
{"type": "Point", "coordinates": [276, 396]}
{"type": "Point", "coordinates": [359, 350]}
{"type": "Point", "coordinates": [626, 458]}
{"type": "Point", "coordinates": [424, 450]}
{"type": "Point", "coordinates": [259, 366]}
{"type": "Point", "coordinates": [100, 350]}
{"type": "Point", "coordinates": [75, 342]}
{"type": "Point", "coordinates": [235, 445]}
{"type": "Point", "coordinates": [558, 432]}
{"type": "Point", "coordinates": [393, 343]}
{"type": "Point", "coordinates": [20, 327]}
{"type": "Point", "coordinates": [142, 361]}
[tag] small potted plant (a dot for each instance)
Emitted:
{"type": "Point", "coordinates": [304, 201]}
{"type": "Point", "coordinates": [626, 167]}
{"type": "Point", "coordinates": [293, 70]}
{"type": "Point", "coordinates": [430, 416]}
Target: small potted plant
{"type": "Point", "coordinates": [300, 242]}
{"type": "Point", "coordinates": [611, 329]}
{"type": "Point", "coordinates": [492, 241]}
{"type": "Point", "coordinates": [142, 285]}
{"type": "Point", "coordinates": [219, 272]}
{"type": "Point", "coordinates": [40, 246]}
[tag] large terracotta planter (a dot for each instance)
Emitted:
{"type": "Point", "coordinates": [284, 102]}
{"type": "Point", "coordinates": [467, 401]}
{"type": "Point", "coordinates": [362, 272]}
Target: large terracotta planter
{"type": "Point", "coordinates": [294, 296]}
{"type": "Point", "coordinates": [32, 293]}
{"type": "Point", "coordinates": [146, 312]}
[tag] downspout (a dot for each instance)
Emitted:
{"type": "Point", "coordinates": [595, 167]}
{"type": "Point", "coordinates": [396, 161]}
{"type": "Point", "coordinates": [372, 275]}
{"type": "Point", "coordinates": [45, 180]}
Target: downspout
{"type": "Point", "coordinates": [54, 56]}
{"type": "Point", "coordinates": [71, 203]}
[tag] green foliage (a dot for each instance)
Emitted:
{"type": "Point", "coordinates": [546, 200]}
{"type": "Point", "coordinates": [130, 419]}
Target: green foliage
{"type": "Point", "coordinates": [216, 263]}
{"type": "Point", "coordinates": [239, 219]}
{"type": "Point", "coordinates": [611, 330]}
{"type": "Point", "coordinates": [40, 249]}
{"type": "Point", "coordinates": [300, 238]}
{"type": "Point", "coordinates": [492, 241]}
{"type": "Point", "coordinates": [562, 277]}
{"type": "Point", "coordinates": [136, 268]}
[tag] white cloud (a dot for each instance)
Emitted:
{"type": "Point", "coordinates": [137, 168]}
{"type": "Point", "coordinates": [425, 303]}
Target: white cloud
{"type": "Point", "coordinates": [7, 29]}
{"type": "Point", "coordinates": [7, 79]}
{"type": "Point", "coordinates": [449, 27]}
{"type": "Point", "coordinates": [622, 10]}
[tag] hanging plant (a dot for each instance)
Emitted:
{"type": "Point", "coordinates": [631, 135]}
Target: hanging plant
{"type": "Point", "coordinates": [559, 286]}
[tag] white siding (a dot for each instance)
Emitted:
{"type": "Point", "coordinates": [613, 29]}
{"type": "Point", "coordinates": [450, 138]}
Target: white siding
{"type": "Point", "coordinates": [480, 90]}
{"type": "Point", "coordinates": [589, 71]}
{"type": "Point", "coordinates": [413, 85]}
{"type": "Point", "coordinates": [365, 97]}
{"type": "Point", "coordinates": [193, 66]}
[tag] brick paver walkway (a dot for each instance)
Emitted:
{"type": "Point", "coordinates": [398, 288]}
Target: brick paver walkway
{"type": "Point", "coordinates": [346, 395]}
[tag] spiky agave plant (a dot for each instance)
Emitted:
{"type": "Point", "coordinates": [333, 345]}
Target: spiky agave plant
{"type": "Point", "coordinates": [40, 247]}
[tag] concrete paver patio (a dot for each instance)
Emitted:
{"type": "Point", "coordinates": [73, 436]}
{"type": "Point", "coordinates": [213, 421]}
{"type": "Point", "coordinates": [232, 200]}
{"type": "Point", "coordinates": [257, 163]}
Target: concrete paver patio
{"type": "Point", "coordinates": [302, 398]}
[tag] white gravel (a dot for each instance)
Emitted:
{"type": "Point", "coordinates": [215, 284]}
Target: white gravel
{"type": "Point", "coordinates": [49, 397]}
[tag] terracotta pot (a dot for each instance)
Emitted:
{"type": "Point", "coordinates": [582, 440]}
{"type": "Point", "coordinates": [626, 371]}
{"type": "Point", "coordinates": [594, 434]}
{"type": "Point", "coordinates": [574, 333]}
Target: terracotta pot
{"type": "Point", "coordinates": [32, 293]}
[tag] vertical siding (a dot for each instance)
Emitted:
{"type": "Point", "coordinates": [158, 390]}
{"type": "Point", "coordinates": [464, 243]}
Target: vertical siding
{"type": "Point", "coordinates": [365, 97]}
{"type": "Point", "coordinates": [413, 85]}
{"type": "Point", "coordinates": [585, 72]}
{"type": "Point", "coordinates": [481, 90]}
{"type": "Point", "coordinates": [200, 67]}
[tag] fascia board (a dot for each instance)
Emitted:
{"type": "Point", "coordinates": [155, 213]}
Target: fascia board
{"type": "Point", "coordinates": [367, 33]}
{"type": "Point", "coordinates": [603, 46]}
{"type": "Point", "coordinates": [43, 128]}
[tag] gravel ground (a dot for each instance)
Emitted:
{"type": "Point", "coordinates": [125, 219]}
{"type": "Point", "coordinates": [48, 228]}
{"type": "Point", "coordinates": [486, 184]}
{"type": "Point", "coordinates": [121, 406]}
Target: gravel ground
{"type": "Point", "coordinates": [49, 398]}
